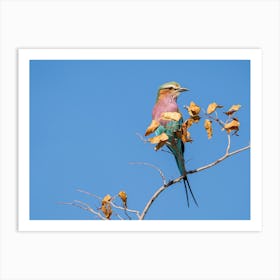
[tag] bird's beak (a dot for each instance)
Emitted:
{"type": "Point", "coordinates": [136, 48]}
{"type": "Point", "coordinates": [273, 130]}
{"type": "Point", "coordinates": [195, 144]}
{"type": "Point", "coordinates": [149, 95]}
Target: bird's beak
{"type": "Point", "coordinates": [182, 89]}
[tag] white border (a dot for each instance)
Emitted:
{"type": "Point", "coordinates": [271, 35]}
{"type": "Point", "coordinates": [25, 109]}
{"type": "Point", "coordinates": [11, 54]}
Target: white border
{"type": "Point", "coordinates": [254, 55]}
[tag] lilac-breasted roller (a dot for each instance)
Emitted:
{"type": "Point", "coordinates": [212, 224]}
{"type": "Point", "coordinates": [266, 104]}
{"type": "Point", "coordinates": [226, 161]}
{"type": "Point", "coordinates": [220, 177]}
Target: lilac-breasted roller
{"type": "Point", "coordinates": [163, 123]}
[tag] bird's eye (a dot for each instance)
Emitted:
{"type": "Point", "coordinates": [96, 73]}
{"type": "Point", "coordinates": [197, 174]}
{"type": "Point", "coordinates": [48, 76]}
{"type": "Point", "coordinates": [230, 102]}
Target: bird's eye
{"type": "Point", "coordinates": [171, 88]}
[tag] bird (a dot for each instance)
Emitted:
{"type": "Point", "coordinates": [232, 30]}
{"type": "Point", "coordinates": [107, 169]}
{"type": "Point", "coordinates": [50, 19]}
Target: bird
{"type": "Point", "coordinates": [167, 122]}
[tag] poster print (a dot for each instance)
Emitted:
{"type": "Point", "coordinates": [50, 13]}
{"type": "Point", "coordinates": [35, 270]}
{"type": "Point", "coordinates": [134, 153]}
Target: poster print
{"type": "Point", "coordinates": [139, 139]}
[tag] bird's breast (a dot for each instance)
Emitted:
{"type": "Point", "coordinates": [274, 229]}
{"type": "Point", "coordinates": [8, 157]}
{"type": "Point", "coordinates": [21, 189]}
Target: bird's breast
{"type": "Point", "coordinates": [162, 107]}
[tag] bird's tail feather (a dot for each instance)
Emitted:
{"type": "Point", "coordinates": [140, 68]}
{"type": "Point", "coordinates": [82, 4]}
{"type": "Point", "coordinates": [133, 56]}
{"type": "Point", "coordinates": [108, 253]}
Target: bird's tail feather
{"type": "Point", "coordinates": [180, 161]}
{"type": "Point", "coordinates": [189, 186]}
{"type": "Point", "coordinates": [187, 195]}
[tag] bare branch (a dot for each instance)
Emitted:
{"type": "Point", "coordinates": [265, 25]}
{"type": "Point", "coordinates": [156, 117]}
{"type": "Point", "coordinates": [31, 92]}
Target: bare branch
{"type": "Point", "coordinates": [154, 167]}
{"type": "Point", "coordinates": [157, 193]}
{"type": "Point", "coordinates": [172, 182]}
{"type": "Point", "coordinates": [218, 160]}
{"type": "Point", "coordinates": [84, 206]}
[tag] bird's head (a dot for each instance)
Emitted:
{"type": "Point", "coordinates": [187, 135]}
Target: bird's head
{"type": "Point", "coordinates": [170, 89]}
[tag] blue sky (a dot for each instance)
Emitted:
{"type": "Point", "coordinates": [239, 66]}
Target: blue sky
{"type": "Point", "coordinates": [84, 120]}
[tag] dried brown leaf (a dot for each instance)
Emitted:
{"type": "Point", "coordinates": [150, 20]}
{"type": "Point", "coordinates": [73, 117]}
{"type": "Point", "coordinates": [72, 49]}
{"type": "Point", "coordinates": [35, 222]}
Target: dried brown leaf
{"type": "Point", "coordinates": [195, 119]}
{"type": "Point", "coordinates": [208, 128]}
{"type": "Point", "coordinates": [107, 198]}
{"type": "Point", "coordinates": [186, 137]}
{"type": "Point", "coordinates": [174, 116]}
{"type": "Point", "coordinates": [106, 206]}
{"type": "Point", "coordinates": [107, 210]}
{"type": "Point", "coordinates": [233, 125]}
{"type": "Point", "coordinates": [212, 107]}
{"type": "Point", "coordinates": [123, 196]}
{"type": "Point", "coordinates": [193, 109]}
{"type": "Point", "coordinates": [185, 134]}
{"type": "Point", "coordinates": [160, 145]}
{"type": "Point", "coordinates": [233, 109]}
{"type": "Point", "coordinates": [160, 138]}
{"type": "Point", "coordinates": [188, 123]}
{"type": "Point", "coordinates": [152, 127]}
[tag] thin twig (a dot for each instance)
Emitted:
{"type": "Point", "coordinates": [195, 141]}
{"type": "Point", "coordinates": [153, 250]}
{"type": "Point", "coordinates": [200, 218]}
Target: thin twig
{"type": "Point", "coordinates": [137, 213]}
{"type": "Point", "coordinates": [172, 182]}
{"type": "Point", "coordinates": [165, 151]}
{"type": "Point", "coordinates": [119, 216]}
{"type": "Point", "coordinates": [218, 160]}
{"type": "Point", "coordinates": [141, 137]}
{"type": "Point", "coordinates": [228, 146]}
{"type": "Point", "coordinates": [221, 123]}
{"type": "Point", "coordinates": [157, 193]}
{"type": "Point", "coordinates": [83, 206]}
{"type": "Point", "coordinates": [88, 193]}
{"type": "Point", "coordinates": [154, 167]}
